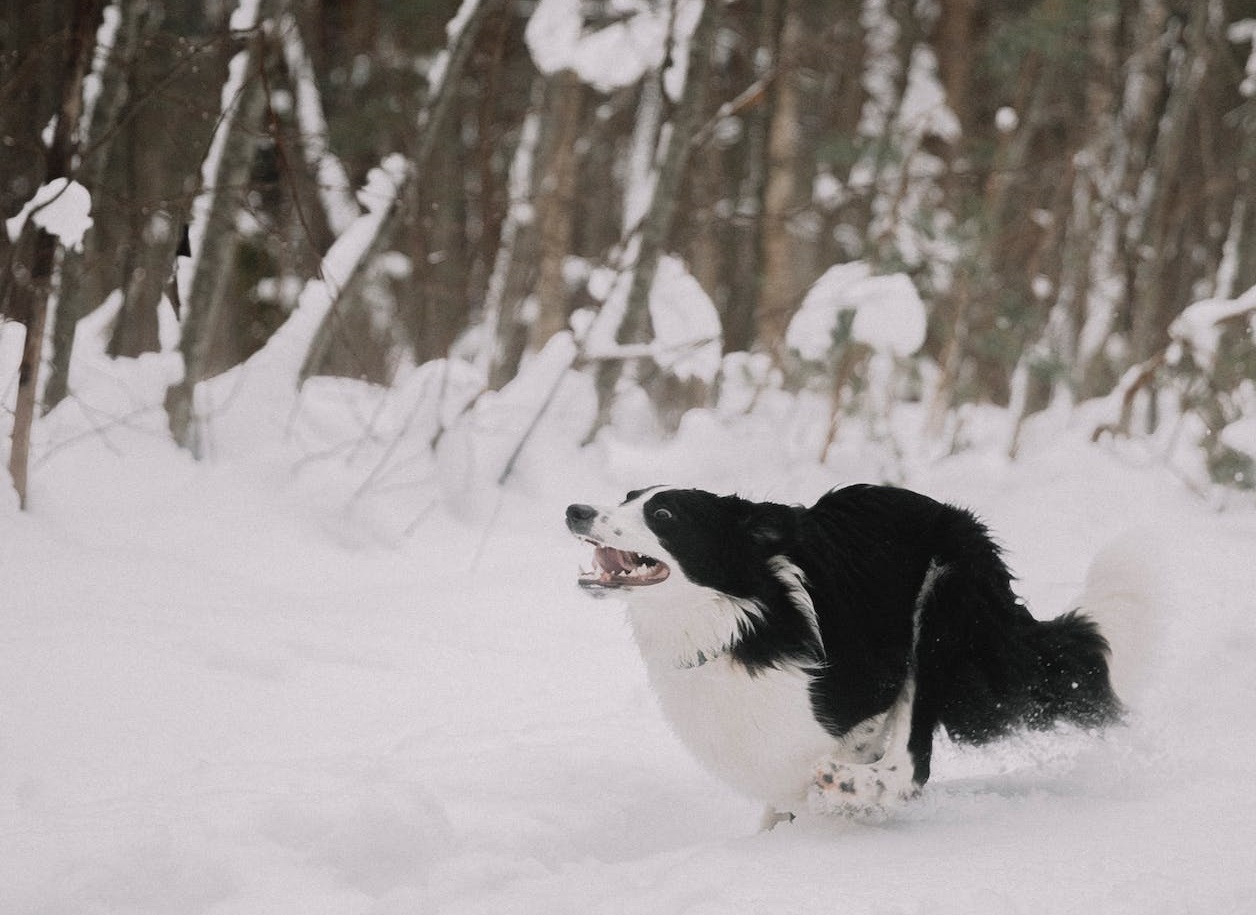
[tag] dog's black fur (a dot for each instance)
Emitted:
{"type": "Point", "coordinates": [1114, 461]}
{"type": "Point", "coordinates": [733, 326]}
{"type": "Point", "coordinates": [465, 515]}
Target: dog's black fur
{"type": "Point", "coordinates": [901, 585]}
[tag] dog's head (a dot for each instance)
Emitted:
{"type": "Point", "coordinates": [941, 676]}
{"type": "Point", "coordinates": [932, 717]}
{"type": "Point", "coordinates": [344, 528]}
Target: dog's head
{"type": "Point", "coordinates": [657, 535]}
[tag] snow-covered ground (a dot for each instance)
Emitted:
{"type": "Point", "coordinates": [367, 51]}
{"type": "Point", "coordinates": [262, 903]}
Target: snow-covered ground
{"type": "Point", "coordinates": [233, 687]}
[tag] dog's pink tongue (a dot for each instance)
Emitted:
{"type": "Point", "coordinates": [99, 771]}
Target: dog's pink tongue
{"type": "Point", "coordinates": [613, 560]}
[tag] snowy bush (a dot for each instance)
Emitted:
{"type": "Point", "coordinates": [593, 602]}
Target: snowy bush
{"type": "Point", "coordinates": [1198, 395]}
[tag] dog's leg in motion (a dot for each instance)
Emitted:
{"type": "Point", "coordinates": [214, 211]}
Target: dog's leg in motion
{"type": "Point", "coordinates": [871, 789]}
{"type": "Point", "coordinates": [856, 788]}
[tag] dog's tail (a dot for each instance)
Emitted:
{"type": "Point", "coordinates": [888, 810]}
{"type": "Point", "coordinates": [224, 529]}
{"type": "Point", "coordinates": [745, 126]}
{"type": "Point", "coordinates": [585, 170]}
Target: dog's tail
{"type": "Point", "coordinates": [1129, 594]}
{"type": "Point", "coordinates": [1070, 680]}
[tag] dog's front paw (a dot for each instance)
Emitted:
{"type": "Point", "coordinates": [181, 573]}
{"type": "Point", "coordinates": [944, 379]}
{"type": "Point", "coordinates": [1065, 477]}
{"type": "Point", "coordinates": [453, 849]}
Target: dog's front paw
{"type": "Point", "coordinates": [870, 791]}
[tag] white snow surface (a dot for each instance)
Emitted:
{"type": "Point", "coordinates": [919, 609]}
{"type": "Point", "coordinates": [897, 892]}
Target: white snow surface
{"type": "Point", "coordinates": [286, 682]}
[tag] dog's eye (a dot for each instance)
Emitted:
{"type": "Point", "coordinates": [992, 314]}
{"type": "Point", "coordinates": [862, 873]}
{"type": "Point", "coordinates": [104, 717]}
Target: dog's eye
{"type": "Point", "coordinates": [662, 514]}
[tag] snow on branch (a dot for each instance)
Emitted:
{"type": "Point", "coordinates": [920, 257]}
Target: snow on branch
{"type": "Point", "coordinates": [61, 208]}
{"type": "Point", "coordinates": [618, 54]}
{"type": "Point", "coordinates": [687, 332]}
{"type": "Point", "coordinates": [1198, 328]}
{"type": "Point", "coordinates": [886, 313]}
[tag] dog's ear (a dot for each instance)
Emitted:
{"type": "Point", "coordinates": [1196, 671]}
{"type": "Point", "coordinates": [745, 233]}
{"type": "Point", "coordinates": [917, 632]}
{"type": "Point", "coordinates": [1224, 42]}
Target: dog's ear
{"type": "Point", "coordinates": [771, 526]}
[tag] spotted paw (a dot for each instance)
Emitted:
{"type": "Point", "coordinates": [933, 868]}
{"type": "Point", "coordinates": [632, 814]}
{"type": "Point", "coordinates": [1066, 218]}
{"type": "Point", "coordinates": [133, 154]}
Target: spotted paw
{"type": "Point", "coordinates": [864, 791]}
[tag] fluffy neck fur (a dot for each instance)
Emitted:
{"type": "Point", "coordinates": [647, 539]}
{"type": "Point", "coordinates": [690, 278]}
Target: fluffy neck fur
{"type": "Point", "coordinates": [685, 629]}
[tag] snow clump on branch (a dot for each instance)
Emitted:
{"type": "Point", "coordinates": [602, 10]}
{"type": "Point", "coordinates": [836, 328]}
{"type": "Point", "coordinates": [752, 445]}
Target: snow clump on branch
{"type": "Point", "coordinates": [60, 208]}
{"type": "Point", "coordinates": [888, 314]}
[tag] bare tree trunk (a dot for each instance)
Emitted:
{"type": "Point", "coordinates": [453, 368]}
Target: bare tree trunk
{"type": "Point", "coordinates": [1083, 219]}
{"type": "Point", "coordinates": [556, 199]}
{"type": "Point", "coordinates": [34, 288]}
{"type": "Point", "coordinates": [740, 332]}
{"type": "Point", "coordinates": [334, 191]}
{"type": "Point", "coordinates": [780, 286]}
{"type": "Point", "coordinates": [215, 257]}
{"type": "Point", "coordinates": [505, 337]}
{"type": "Point", "coordinates": [953, 39]}
{"type": "Point", "coordinates": [134, 20]}
{"type": "Point", "coordinates": [31, 283]}
{"type": "Point", "coordinates": [1108, 287]}
{"type": "Point", "coordinates": [657, 221]}
{"type": "Point", "coordinates": [1151, 232]}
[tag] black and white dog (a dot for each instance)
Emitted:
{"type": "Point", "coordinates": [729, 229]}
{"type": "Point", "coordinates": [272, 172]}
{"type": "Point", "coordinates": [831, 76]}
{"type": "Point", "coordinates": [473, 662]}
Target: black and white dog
{"type": "Point", "coordinates": [807, 655]}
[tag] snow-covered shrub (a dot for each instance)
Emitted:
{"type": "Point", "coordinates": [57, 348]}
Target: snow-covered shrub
{"type": "Point", "coordinates": [855, 333]}
{"type": "Point", "coordinates": [1204, 383]}
{"type": "Point", "coordinates": [1213, 360]}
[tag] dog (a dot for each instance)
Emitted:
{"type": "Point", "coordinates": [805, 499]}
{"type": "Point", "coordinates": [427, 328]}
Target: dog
{"type": "Point", "coordinates": [806, 656]}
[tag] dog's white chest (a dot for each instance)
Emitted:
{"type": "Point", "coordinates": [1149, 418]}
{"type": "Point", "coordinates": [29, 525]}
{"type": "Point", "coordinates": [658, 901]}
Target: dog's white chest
{"type": "Point", "coordinates": [757, 733]}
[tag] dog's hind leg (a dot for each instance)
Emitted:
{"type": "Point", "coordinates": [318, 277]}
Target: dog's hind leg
{"type": "Point", "coordinates": [872, 789]}
{"type": "Point", "coordinates": [862, 788]}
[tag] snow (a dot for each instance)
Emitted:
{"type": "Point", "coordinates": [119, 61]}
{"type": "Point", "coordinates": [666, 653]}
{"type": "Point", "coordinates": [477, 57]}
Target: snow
{"type": "Point", "coordinates": [924, 108]}
{"type": "Point", "coordinates": [1244, 30]}
{"type": "Point", "coordinates": [1240, 435]}
{"type": "Point", "coordinates": [93, 80]}
{"type": "Point", "coordinates": [244, 16]}
{"type": "Point", "coordinates": [243, 686]}
{"type": "Point", "coordinates": [687, 332]}
{"type": "Point", "coordinates": [1199, 326]}
{"type": "Point", "coordinates": [616, 55]}
{"type": "Point", "coordinates": [889, 315]}
{"type": "Point", "coordinates": [686, 324]}
{"type": "Point", "coordinates": [60, 207]}
{"type": "Point", "coordinates": [881, 33]}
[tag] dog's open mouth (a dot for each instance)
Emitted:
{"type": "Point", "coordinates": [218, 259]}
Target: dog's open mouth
{"type": "Point", "coordinates": [614, 568]}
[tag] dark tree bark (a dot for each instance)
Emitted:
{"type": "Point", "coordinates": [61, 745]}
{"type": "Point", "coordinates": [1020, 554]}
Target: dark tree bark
{"type": "Point", "coordinates": [28, 281]}
{"type": "Point", "coordinates": [785, 270]}
{"type": "Point", "coordinates": [76, 298]}
{"type": "Point", "coordinates": [205, 314]}
{"type": "Point", "coordinates": [556, 204]}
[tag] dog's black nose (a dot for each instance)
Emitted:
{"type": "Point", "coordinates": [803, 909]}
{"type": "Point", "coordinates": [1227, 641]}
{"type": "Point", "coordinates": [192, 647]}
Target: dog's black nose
{"type": "Point", "coordinates": [579, 516]}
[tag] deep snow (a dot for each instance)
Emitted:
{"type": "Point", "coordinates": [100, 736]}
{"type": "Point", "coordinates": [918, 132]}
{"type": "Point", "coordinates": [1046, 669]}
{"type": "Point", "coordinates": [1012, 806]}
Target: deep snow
{"type": "Point", "coordinates": [233, 688]}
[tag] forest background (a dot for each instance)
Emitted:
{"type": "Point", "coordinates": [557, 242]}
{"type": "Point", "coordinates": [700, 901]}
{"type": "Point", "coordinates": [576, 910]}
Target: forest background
{"type": "Point", "coordinates": [689, 204]}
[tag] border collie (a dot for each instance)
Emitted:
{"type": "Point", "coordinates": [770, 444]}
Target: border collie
{"type": "Point", "coordinates": [807, 655]}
